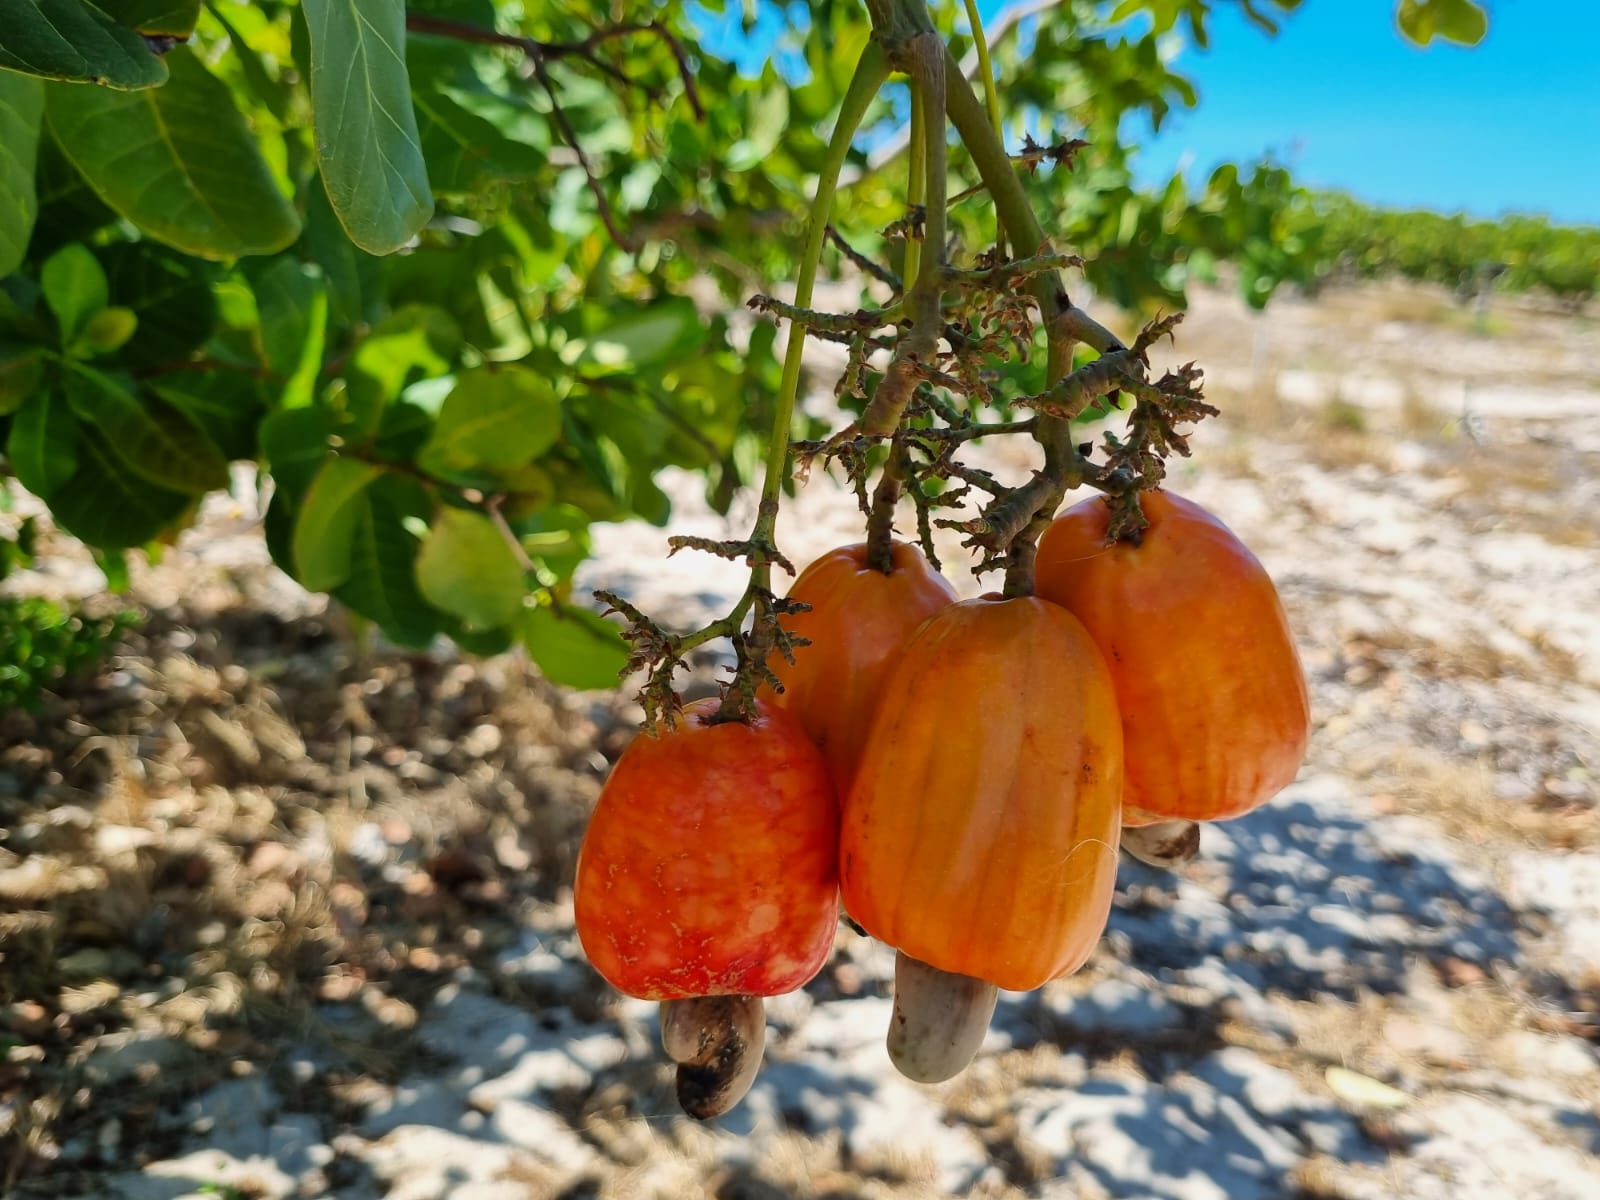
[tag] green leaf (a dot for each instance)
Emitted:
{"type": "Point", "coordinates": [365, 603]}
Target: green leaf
{"type": "Point", "coordinates": [171, 295]}
{"type": "Point", "coordinates": [113, 565]}
{"type": "Point", "coordinates": [178, 161]}
{"type": "Point", "coordinates": [467, 569]}
{"type": "Point", "coordinates": [343, 263]}
{"type": "Point", "coordinates": [43, 446]}
{"type": "Point", "coordinates": [295, 443]}
{"type": "Point", "coordinates": [286, 301]}
{"type": "Point", "coordinates": [171, 18]}
{"type": "Point", "coordinates": [764, 128]}
{"type": "Point", "coordinates": [463, 150]}
{"type": "Point", "coordinates": [108, 506]}
{"type": "Point", "coordinates": [366, 131]}
{"type": "Point", "coordinates": [326, 526]}
{"type": "Point", "coordinates": [158, 444]}
{"type": "Point", "coordinates": [71, 39]}
{"type": "Point", "coordinates": [228, 406]}
{"type": "Point", "coordinates": [108, 330]}
{"type": "Point", "coordinates": [21, 370]}
{"type": "Point", "coordinates": [417, 341]}
{"type": "Point", "coordinates": [662, 330]}
{"type": "Point", "coordinates": [494, 419]}
{"type": "Point", "coordinates": [573, 646]}
{"type": "Point", "coordinates": [557, 538]}
{"type": "Point", "coordinates": [274, 93]}
{"type": "Point", "coordinates": [74, 287]}
{"type": "Point", "coordinates": [21, 109]}
{"type": "Point", "coordinates": [1453, 20]}
{"type": "Point", "coordinates": [383, 556]}
{"type": "Point", "coordinates": [485, 643]}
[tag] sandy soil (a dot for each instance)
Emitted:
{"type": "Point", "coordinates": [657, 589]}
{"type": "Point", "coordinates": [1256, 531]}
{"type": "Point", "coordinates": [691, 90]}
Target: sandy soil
{"type": "Point", "coordinates": [283, 914]}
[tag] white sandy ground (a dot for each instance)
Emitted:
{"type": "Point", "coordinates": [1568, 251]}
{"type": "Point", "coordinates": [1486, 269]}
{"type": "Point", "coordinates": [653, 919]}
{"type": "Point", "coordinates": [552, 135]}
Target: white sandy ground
{"type": "Point", "coordinates": [1355, 992]}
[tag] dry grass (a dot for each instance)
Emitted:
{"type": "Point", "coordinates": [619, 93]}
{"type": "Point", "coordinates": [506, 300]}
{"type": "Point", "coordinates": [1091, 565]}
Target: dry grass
{"type": "Point", "coordinates": [181, 861]}
{"type": "Point", "coordinates": [1320, 1178]}
{"type": "Point", "coordinates": [1337, 415]}
{"type": "Point", "coordinates": [1460, 797]}
{"type": "Point", "coordinates": [1419, 417]}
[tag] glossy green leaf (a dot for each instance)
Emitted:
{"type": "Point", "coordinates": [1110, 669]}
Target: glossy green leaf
{"type": "Point", "coordinates": [367, 141]}
{"type": "Point", "coordinates": [171, 18]}
{"type": "Point", "coordinates": [108, 505]}
{"type": "Point", "coordinates": [74, 287]}
{"type": "Point", "coordinates": [493, 418]}
{"type": "Point", "coordinates": [274, 93]}
{"type": "Point", "coordinates": [573, 647]}
{"type": "Point", "coordinates": [178, 161]}
{"type": "Point", "coordinates": [21, 111]}
{"type": "Point", "coordinates": [383, 561]}
{"type": "Point", "coordinates": [327, 520]}
{"type": "Point", "coordinates": [74, 40]}
{"type": "Point", "coordinates": [157, 443]}
{"type": "Point", "coordinates": [402, 432]}
{"type": "Point", "coordinates": [468, 569]}
{"type": "Point", "coordinates": [43, 445]}
{"type": "Point", "coordinates": [557, 538]}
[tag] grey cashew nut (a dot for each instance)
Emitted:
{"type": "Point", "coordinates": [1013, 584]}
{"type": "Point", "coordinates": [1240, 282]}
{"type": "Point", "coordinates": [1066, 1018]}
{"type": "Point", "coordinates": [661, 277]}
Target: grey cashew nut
{"type": "Point", "coordinates": [939, 1020]}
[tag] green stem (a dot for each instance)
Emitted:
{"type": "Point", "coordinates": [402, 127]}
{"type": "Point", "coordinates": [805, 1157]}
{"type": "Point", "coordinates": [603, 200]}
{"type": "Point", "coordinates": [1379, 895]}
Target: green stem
{"type": "Point", "coordinates": [753, 648]}
{"type": "Point", "coordinates": [991, 96]}
{"type": "Point", "coordinates": [924, 60]}
{"type": "Point", "coordinates": [924, 303]}
{"type": "Point", "coordinates": [870, 73]}
{"type": "Point", "coordinates": [916, 180]}
{"type": "Point", "coordinates": [928, 77]}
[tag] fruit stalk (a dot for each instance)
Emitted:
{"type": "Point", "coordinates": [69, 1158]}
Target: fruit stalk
{"type": "Point", "coordinates": [880, 521]}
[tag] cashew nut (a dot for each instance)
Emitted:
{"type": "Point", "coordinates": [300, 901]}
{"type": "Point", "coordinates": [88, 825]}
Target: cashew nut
{"type": "Point", "coordinates": [1167, 845]}
{"type": "Point", "coordinates": [939, 1019]}
{"type": "Point", "coordinates": [717, 1043]}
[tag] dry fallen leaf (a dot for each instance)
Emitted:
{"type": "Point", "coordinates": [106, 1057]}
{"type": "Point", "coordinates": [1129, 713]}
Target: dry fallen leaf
{"type": "Point", "coordinates": [1363, 1091]}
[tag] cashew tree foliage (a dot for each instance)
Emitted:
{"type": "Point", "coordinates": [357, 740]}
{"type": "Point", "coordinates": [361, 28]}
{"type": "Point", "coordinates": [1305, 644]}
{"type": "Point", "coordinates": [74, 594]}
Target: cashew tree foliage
{"type": "Point", "coordinates": [456, 276]}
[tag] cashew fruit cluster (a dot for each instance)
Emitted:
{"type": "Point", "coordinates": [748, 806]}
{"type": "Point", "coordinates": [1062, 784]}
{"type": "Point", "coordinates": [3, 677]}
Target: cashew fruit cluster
{"type": "Point", "coordinates": [959, 773]}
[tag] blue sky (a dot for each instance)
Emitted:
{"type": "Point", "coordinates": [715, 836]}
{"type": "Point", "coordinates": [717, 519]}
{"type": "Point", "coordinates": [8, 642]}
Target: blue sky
{"type": "Point", "coordinates": [1342, 99]}
{"type": "Point", "coordinates": [1345, 102]}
